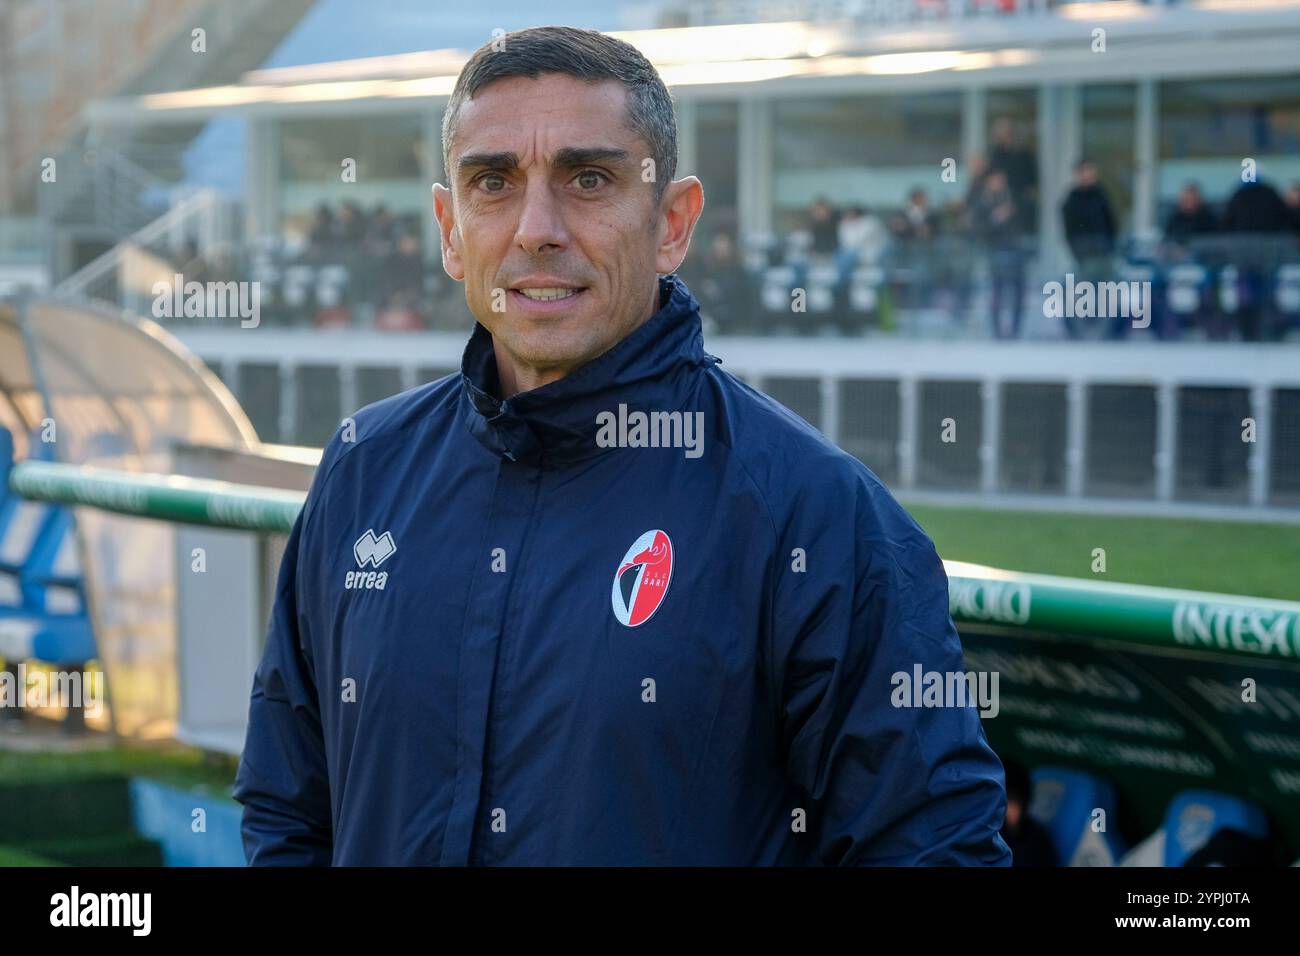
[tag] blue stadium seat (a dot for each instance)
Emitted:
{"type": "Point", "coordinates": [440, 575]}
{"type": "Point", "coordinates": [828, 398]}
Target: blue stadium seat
{"type": "Point", "coordinates": [1287, 291]}
{"type": "Point", "coordinates": [1193, 817]}
{"type": "Point", "coordinates": [1188, 285]}
{"type": "Point", "coordinates": [864, 289]}
{"type": "Point", "coordinates": [1066, 802]}
{"type": "Point", "coordinates": [821, 289]}
{"type": "Point", "coordinates": [42, 596]}
{"type": "Point", "coordinates": [777, 282]}
{"type": "Point", "coordinates": [1196, 815]}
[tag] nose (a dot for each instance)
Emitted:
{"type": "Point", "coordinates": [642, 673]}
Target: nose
{"type": "Point", "coordinates": [541, 226]}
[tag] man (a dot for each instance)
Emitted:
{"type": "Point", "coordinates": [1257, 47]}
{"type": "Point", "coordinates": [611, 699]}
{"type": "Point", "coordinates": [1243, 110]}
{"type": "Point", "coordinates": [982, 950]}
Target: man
{"type": "Point", "coordinates": [1021, 167]}
{"type": "Point", "coordinates": [508, 632]}
{"type": "Point", "coordinates": [1190, 220]}
{"type": "Point", "coordinates": [916, 220]}
{"type": "Point", "coordinates": [726, 292]}
{"type": "Point", "coordinates": [915, 227]}
{"type": "Point", "coordinates": [1258, 224]}
{"type": "Point", "coordinates": [1090, 231]}
{"type": "Point", "coordinates": [994, 223]}
{"type": "Point", "coordinates": [1030, 843]}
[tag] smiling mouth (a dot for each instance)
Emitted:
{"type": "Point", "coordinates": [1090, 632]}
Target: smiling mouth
{"type": "Point", "coordinates": [547, 294]}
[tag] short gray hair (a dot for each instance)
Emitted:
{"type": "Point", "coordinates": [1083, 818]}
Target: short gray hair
{"type": "Point", "coordinates": [587, 55]}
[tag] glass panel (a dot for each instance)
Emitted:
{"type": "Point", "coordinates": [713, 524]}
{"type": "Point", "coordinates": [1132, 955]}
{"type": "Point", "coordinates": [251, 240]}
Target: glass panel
{"type": "Point", "coordinates": [868, 151]}
{"type": "Point", "coordinates": [1207, 127]}
{"type": "Point", "coordinates": [1109, 114]}
{"type": "Point", "coordinates": [717, 148]}
{"type": "Point", "coordinates": [388, 169]}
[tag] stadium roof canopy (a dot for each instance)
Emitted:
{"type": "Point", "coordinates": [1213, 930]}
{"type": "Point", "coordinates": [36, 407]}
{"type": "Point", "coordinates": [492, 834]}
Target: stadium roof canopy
{"type": "Point", "coordinates": [105, 374]}
{"type": "Point", "coordinates": [1196, 38]}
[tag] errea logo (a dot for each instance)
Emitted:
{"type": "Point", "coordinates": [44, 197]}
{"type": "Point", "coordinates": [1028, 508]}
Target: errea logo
{"type": "Point", "coordinates": [373, 551]}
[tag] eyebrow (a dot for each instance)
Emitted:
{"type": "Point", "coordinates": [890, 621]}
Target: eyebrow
{"type": "Point", "coordinates": [565, 158]}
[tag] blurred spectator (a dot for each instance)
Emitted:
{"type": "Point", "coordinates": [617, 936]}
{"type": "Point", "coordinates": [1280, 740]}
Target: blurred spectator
{"type": "Point", "coordinates": [1256, 208]}
{"type": "Point", "coordinates": [1089, 223]}
{"type": "Point", "coordinates": [915, 227]}
{"type": "Point", "coordinates": [1187, 230]}
{"type": "Point", "coordinates": [960, 263]}
{"type": "Point", "coordinates": [1260, 225]}
{"type": "Point", "coordinates": [402, 271]}
{"type": "Point", "coordinates": [995, 224]}
{"type": "Point", "coordinates": [824, 228]}
{"type": "Point", "coordinates": [348, 227]}
{"type": "Point", "coordinates": [322, 226]}
{"type": "Point", "coordinates": [722, 285]}
{"type": "Point", "coordinates": [381, 231]}
{"type": "Point", "coordinates": [1030, 843]}
{"type": "Point", "coordinates": [1021, 169]}
{"type": "Point", "coordinates": [1090, 230]}
{"type": "Point", "coordinates": [862, 241]}
{"type": "Point", "coordinates": [823, 246]}
{"type": "Point", "coordinates": [1292, 200]}
{"type": "Point", "coordinates": [916, 221]}
{"type": "Point", "coordinates": [1190, 218]}
{"type": "Point", "coordinates": [977, 167]}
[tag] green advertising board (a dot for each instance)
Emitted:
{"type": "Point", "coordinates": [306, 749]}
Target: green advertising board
{"type": "Point", "coordinates": [1155, 690]}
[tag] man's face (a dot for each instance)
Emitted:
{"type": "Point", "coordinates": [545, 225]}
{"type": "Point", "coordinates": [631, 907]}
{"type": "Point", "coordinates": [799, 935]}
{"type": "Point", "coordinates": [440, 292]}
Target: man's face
{"type": "Point", "coordinates": [548, 199]}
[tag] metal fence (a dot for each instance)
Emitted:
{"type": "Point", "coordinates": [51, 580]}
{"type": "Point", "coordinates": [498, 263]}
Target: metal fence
{"type": "Point", "coordinates": [1186, 427]}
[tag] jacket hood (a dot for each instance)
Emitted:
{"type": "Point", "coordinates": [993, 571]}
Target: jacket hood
{"type": "Point", "coordinates": [653, 369]}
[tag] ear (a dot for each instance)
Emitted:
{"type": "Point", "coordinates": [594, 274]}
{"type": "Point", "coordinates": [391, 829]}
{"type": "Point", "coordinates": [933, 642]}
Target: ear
{"type": "Point", "coordinates": [446, 216]}
{"type": "Point", "coordinates": [679, 211]}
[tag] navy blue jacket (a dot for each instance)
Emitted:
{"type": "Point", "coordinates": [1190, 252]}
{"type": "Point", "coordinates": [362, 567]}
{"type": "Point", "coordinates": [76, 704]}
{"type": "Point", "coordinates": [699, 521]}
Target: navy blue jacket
{"type": "Point", "coordinates": [498, 640]}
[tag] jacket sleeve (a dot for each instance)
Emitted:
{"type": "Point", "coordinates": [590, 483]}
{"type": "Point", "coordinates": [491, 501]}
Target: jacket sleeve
{"type": "Point", "coordinates": [881, 784]}
{"type": "Point", "coordinates": [282, 779]}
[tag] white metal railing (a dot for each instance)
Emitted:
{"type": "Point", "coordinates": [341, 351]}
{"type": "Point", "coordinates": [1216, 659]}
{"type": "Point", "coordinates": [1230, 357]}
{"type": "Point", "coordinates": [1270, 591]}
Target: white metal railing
{"type": "Point", "coordinates": [202, 216]}
{"type": "Point", "coordinates": [905, 388]}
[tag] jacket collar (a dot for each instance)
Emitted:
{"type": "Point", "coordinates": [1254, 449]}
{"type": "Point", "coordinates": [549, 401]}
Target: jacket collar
{"type": "Point", "coordinates": [650, 370]}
